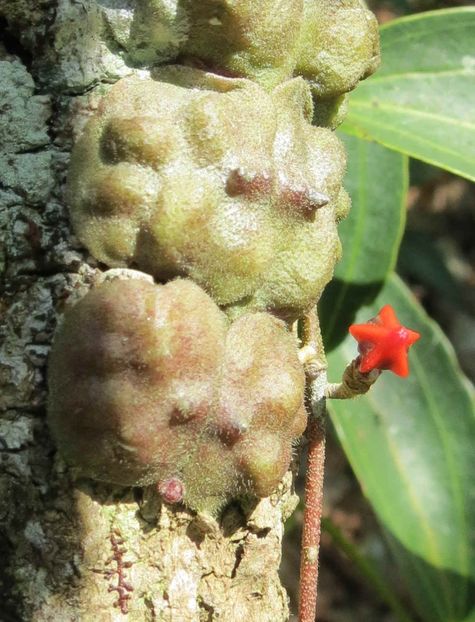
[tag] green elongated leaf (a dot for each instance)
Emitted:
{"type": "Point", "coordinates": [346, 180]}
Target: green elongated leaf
{"type": "Point", "coordinates": [422, 99]}
{"type": "Point", "coordinates": [420, 258]}
{"type": "Point", "coordinates": [377, 180]}
{"type": "Point", "coordinates": [411, 444]}
{"type": "Point", "coordinates": [367, 569]}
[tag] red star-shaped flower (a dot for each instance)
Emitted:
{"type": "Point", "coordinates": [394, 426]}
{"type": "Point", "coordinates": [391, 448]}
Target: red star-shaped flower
{"type": "Point", "coordinates": [383, 343]}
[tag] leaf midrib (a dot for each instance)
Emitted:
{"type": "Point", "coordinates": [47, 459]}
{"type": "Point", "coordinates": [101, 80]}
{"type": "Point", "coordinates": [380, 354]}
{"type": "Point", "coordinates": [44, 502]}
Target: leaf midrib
{"type": "Point", "coordinates": [414, 111]}
{"type": "Point", "coordinates": [415, 139]}
{"type": "Point", "coordinates": [416, 75]}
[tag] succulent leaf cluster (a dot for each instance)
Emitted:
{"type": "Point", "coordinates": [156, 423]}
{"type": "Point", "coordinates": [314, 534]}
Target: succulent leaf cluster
{"type": "Point", "coordinates": [193, 174]}
{"type": "Point", "coordinates": [153, 384]}
{"type": "Point", "coordinates": [217, 177]}
{"type": "Point", "coordinates": [332, 44]}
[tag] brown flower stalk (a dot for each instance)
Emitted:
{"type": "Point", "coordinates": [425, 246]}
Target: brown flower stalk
{"type": "Point", "coordinates": [315, 367]}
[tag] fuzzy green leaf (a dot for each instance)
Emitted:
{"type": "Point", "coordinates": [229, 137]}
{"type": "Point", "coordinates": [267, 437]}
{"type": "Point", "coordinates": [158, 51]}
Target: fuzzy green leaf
{"type": "Point", "coordinates": [411, 445]}
{"type": "Point", "coordinates": [422, 100]}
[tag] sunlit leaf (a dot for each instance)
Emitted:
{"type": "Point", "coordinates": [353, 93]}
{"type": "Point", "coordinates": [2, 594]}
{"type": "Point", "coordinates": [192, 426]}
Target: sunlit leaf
{"type": "Point", "coordinates": [377, 182]}
{"type": "Point", "coordinates": [422, 99]}
{"type": "Point", "coordinates": [411, 445]}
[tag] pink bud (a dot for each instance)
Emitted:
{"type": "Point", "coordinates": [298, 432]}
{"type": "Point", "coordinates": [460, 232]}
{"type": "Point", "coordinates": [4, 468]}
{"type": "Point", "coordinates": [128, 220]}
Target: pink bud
{"type": "Point", "coordinates": [171, 490]}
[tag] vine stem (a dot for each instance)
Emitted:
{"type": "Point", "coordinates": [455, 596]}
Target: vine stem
{"type": "Point", "coordinates": [315, 367]}
{"type": "Point", "coordinates": [353, 383]}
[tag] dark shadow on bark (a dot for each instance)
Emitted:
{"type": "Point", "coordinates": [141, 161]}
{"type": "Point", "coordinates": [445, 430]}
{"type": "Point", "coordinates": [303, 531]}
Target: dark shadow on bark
{"type": "Point", "coordinates": [12, 43]}
{"type": "Point", "coordinates": [42, 532]}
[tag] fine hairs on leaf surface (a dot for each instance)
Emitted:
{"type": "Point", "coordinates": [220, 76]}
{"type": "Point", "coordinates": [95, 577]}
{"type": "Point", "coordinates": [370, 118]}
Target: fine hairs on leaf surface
{"type": "Point", "coordinates": [150, 384]}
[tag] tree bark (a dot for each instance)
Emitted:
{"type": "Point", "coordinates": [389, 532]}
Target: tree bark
{"type": "Point", "coordinates": [77, 550]}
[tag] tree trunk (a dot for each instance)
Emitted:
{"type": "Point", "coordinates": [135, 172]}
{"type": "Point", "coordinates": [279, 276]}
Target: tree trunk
{"type": "Point", "coordinates": [79, 550]}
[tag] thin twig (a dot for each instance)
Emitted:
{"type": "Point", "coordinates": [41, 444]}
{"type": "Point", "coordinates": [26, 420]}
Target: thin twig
{"type": "Point", "coordinates": [315, 367]}
{"type": "Point", "coordinates": [353, 383]}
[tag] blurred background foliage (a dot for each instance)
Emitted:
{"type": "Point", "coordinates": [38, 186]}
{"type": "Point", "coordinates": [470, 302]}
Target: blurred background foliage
{"type": "Point", "coordinates": [399, 529]}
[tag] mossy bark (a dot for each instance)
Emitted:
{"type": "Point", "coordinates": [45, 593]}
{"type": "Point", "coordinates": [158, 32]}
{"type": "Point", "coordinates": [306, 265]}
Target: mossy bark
{"type": "Point", "coordinates": [73, 550]}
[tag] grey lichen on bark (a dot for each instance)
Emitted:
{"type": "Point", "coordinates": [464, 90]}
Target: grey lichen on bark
{"type": "Point", "coordinates": [75, 550]}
